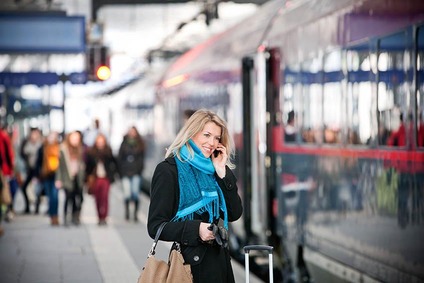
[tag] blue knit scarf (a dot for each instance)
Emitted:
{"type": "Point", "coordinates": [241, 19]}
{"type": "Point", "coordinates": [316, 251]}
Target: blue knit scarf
{"type": "Point", "coordinates": [199, 191]}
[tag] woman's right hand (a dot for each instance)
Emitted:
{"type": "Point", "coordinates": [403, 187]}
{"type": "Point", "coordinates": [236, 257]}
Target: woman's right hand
{"type": "Point", "coordinates": [204, 232]}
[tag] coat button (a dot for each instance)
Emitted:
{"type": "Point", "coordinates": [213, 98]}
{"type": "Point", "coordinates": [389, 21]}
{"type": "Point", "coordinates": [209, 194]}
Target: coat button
{"type": "Point", "coordinates": [196, 258]}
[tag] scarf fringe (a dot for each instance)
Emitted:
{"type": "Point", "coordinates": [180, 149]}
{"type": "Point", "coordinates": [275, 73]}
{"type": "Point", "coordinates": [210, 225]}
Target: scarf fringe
{"type": "Point", "coordinates": [213, 207]}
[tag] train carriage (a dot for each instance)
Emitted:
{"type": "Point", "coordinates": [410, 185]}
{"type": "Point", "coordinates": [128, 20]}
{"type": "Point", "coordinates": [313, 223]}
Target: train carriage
{"type": "Point", "coordinates": [325, 101]}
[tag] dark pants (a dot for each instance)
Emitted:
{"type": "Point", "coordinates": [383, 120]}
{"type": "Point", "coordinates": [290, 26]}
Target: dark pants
{"type": "Point", "coordinates": [74, 197]}
{"type": "Point", "coordinates": [101, 194]}
{"type": "Point", "coordinates": [31, 173]}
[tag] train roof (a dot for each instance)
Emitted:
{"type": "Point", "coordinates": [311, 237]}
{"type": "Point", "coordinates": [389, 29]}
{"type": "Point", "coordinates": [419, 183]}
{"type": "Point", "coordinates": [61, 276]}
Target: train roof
{"type": "Point", "coordinates": [305, 26]}
{"type": "Point", "coordinates": [236, 41]}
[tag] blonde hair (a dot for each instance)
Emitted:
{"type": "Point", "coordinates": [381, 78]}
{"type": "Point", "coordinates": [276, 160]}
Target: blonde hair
{"type": "Point", "coordinates": [194, 125]}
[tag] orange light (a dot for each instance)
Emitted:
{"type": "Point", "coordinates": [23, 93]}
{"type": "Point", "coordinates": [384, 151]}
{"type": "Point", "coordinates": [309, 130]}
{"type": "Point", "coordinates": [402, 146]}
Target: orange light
{"type": "Point", "coordinates": [103, 73]}
{"type": "Point", "coordinates": [175, 81]}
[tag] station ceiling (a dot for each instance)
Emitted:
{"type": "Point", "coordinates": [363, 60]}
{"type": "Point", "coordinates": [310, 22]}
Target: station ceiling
{"type": "Point", "coordinates": [97, 4]}
{"type": "Point", "coordinates": [111, 2]}
{"type": "Point", "coordinates": [55, 5]}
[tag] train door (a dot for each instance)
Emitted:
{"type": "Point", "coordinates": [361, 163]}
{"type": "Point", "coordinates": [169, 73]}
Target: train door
{"type": "Point", "coordinates": [260, 79]}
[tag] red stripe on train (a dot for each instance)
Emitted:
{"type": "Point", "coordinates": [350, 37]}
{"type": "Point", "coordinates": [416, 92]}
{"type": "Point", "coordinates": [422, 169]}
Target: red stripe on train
{"type": "Point", "coordinates": [401, 158]}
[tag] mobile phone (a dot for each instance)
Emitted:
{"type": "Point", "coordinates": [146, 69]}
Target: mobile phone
{"type": "Point", "coordinates": [216, 153]}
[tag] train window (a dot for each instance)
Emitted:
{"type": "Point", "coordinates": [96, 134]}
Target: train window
{"type": "Point", "coordinates": [394, 62]}
{"type": "Point", "coordinates": [359, 96]}
{"type": "Point", "coordinates": [311, 101]}
{"type": "Point", "coordinates": [420, 84]}
{"type": "Point", "coordinates": [311, 128]}
{"type": "Point", "coordinates": [332, 97]}
{"type": "Point", "coordinates": [291, 91]}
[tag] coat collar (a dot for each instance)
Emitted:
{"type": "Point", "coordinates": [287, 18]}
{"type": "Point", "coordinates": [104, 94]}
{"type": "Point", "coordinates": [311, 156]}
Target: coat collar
{"type": "Point", "coordinates": [170, 160]}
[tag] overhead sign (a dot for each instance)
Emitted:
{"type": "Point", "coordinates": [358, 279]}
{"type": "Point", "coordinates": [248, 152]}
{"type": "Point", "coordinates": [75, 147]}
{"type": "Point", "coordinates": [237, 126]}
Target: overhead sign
{"type": "Point", "coordinates": [39, 79]}
{"type": "Point", "coordinates": [22, 33]}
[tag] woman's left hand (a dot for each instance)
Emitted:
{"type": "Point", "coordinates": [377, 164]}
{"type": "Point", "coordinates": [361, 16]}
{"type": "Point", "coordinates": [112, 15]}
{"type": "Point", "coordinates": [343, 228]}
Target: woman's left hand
{"type": "Point", "coordinates": [220, 160]}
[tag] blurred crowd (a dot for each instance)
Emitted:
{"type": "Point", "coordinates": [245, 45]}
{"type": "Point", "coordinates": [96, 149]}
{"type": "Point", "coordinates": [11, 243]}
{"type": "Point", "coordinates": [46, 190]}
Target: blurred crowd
{"type": "Point", "coordinates": [76, 163]}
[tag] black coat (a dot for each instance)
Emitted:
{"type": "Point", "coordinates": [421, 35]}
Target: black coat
{"type": "Point", "coordinates": [95, 156]}
{"type": "Point", "coordinates": [131, 158]}
{"type": "Point", "coordinates": [209, 263]}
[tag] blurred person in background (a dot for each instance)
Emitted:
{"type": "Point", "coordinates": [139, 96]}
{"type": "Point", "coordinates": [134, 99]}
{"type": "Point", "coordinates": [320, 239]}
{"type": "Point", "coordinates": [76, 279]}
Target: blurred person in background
{"type": "Point", "coordinates": [70, 175]}
{"type": "Point", "coordinates": [130, 167]}
{"type": "Point", "coordinates": [48, 160]}
{"type": "Point", "coordinates": [102, 165]}
{"type": "Point", "coordinates": [29, 153]}
{"type": "Point", "coordinates": [91, 134]}
{"type": "Point", "coordinates": [7, 161]}
{"type": "Point", "coordinates": [421, 131]}
{"type": "Point", "coordinates": [2, 202]}
{"type": "Point", "coordinates": [6, 171]}
{"type": "Point", "coordinates": [398, 137]}
{"type": "Point", "coordinates": [290, 130]}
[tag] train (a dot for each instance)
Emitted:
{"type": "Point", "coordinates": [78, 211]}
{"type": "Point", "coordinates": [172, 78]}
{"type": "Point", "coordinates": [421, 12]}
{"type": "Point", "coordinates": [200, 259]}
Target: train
{"type": "Point", "coordinates": [325, 102]}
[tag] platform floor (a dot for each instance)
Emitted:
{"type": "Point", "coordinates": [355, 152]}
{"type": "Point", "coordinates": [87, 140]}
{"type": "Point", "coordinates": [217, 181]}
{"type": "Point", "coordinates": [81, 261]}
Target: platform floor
{"type": "Point", "coordinates": [33, 251]}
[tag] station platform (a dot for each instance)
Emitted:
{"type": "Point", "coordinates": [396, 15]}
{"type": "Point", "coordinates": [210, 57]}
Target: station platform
{"type": "Point", "coordinates": [32, 251]}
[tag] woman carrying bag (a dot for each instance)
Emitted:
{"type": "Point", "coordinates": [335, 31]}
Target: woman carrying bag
{"type": "Point", "coordinates": [195, 191]}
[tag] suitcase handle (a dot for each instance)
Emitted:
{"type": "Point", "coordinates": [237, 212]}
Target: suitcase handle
{"type": "Point", "coordinates": [247, 249]}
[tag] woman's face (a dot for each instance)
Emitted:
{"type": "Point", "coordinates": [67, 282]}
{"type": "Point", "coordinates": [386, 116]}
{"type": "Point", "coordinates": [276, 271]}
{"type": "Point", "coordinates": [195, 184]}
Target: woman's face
{"type": "Point", "coordinates": [74, 139]}
{"type": "Point", "coordinates": [132, 133]}
{"type": "Point", "coordinates": [100, 142]}
{"type": "Point", "coordinates": [208, 139]}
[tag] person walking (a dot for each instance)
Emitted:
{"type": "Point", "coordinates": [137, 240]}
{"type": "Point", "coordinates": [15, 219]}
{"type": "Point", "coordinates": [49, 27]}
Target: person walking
{"type": "Point", "coordinates": [49, 163]}
{"type": "Point", "coordinates": [29, 153]}
{"type": "Point", "coordinates": [91, 134]}
{"type": "Point", "coordinates": [7, 166]}
{"type": "Point", "coordinates": [102, 165]}
{"type": "Point", "coordinates": [398, 137]}
{"type": "Point", "coordinates": [70, 175]}
{"type": "Point", "coordinates": [130, 167]}
{"type": "Point", "coordinates": [6, 173]}
{"type": "Point", "coordinates": [195, 191]}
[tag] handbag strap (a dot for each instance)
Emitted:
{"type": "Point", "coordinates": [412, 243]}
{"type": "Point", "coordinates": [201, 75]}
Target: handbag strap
{"type": "Point", "coordinates": [155, 242]}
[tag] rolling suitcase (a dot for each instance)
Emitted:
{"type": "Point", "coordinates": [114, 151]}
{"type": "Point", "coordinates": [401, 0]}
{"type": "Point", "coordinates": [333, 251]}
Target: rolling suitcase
{"type": "Point", "coordinates": [247, 249]}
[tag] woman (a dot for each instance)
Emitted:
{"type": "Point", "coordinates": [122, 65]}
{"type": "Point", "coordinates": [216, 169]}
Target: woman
{"type": "Point", "coordinates": [29, 153]}
{"type": "Point", "coordinates": [49, 163]}
{"type": "Point", "coordinates": [102, 165]}
{"type": "Point", "coordinates": [130, 164]}
{"type": "Point", "coordinates": [70, 175]}
{"type": "Point", "coordinates": [192, 190]}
